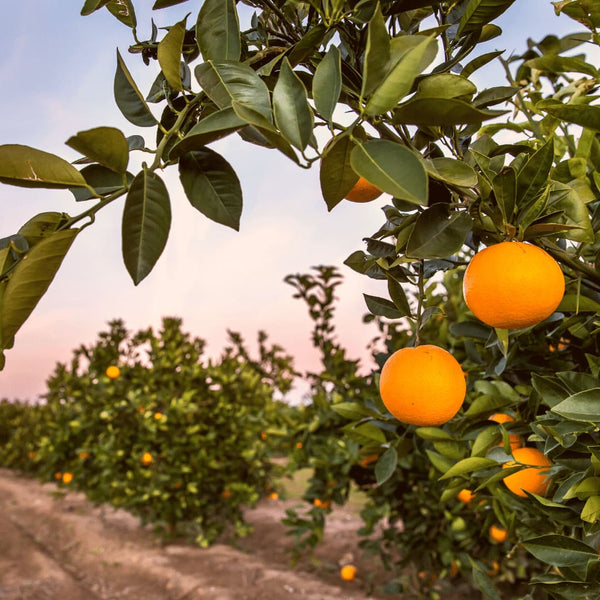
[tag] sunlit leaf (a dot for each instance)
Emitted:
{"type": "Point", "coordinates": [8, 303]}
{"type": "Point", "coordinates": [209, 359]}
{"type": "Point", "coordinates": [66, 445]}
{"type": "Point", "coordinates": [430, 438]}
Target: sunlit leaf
{"type": "Point", "coordinates": [480, 12]}
{"type": "Point", "coordinates": [377, 53]}
{"type": "Point", "coordinates": [169, 54]}
{"type": "Point", "coordinates": [443, 112]}
{"type": "Point", "coordinates": [582, 406]}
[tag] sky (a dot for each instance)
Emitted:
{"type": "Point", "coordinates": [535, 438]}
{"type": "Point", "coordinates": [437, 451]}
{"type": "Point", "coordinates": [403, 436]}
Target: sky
{"type": "Point", "coordinates": [57, 70]}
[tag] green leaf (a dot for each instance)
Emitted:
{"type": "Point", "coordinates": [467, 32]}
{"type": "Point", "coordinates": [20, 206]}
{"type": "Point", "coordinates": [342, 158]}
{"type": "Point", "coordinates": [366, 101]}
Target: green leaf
{"type": "Point", "coordinates": [91, 6]}
{"type": "Point", "coordinates": [382, 307]}
{"type": "Point", "coordinates": [306, 47]}
{"type": "Point", "coordinates": [479, 62]}
{"type": "Point", "coordinates": [105, 145]}
{"type": "Point", "coordinates": [336, 175]}
{"type": "Point", "coordinates": [399, 80]}
{"type": "Point", "coordinates": [169, 54]}
{"type": "Point", "coordinates": [438, 232]}
{"type": "Point", "coordinates": [293, 114]}
{"type": "Point", "coordinates": [443, 112]}
{"type": "Point", "coordinates": [481, 12]}
{"type": "Point", "coordinates": [225, 82]}
{"type": "Point", "coordinates": [123, 10]}
{"type": "Point", "coordinates": [484, 440]}
{"type": "Point", "coordinates": [29, 281]}
{"type": "Point", "coordinates": [392, 168]}
{"type": "Point", "coordinates": [552, 63]}
{"type": "Point", "coordinates": [578, 303]}
{"type": "Point", "coordinates": [102, 180]}
{"type": "Point", "coordinates": [377, 53]}
{"type": "Point", "coordinates": [398, 296]}
{"type": "Point", "coordinates": [582, 406]}
{"type": "Point", "coordinates": [579, 114]}
{"type": "Point", "coordinates": [452, 171]}
{"type": "Point", "coordinates": [485, 584]}
{"type": "Point", "coordinates": [560, 550]}
{"type": "Point", "coordinates": [505, 191]}
{"type": "Point", "coordinates": [166, 3]}
{"type": "Point", "coordinates": [468, 465]}
{"type": "Point", "coordinates": [353, 411]}
{"type": "Point", "coordinates": [591, 510]}
{"type": "Point", "coordinates": [366, 433]}
{"type": "Point", "coordinates": [218, 30]}
{"type": "Point", "coordinates": [327, 83]}
{"type": "Point", "coordinates": [129, 99]}
{"type": "Point", "coordinates": [212, 186]}
{"type": "Point", "coordinates": [533, 177]}
{"type": "Point", "coordinates": [209, 129]}
{"type": "Point", "coordinates": [433, 434]}
{"type": "Point", "coordinates": [146, 224]}
{"type": "Point", "coordinates": [24, 166]}
{"type": "Point", "coordinates": [40, 226]}
{"type": "Point", "coordinates": [386, 465]}
{"type": "Point", "coordinates": [445, 85]}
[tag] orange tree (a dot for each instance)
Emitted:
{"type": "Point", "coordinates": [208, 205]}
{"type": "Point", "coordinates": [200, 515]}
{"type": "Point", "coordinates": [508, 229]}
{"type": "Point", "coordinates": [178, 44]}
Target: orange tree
{"type": "Point", "coordinates": [177, 439]}
{"type": "Point", "coordinates": [461, 176]}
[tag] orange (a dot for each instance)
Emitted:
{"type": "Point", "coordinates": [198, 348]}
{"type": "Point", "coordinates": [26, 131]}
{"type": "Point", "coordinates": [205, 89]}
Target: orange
{"type": "Point", "coordinates": [158, 416]}
{"type": "Point", "coordinates": [514, 439]}
{"type": "Point", "coordinates": [363, 191]}
{"type": "Point", "coordinates": [113, 372]}
{"type": "Point", "coordinates": [495, 568]}
{"type": "Point", "coordinates": [422, 386]}
{"type": "Point", "coordinates": [321, 503]}
{"type": "Point", "coordinates": [274, 496]}
{"type": "Point", "coordinates": [368, 460]}
{"type": "Point", "coordinates": [83, 455]}
{"type": "Point", "coordinates": [299, 445]}
{"type": "Point", "coordinates": [348, 572]}
{"type": "Point", "coordinates": [226, 494]}
{"type": "Point", "coordinates": [58, 475]}
{"type": "Point", "coordinates": [498, 534]}
{"type": "Point", "coordinates": [513, 285]}
{"type": "Point", "coordinates": [147, 458]}
{"type": "Point", "coordinates": [31, 455]}
{"type": "Point", "coordinates": [531, 479]}
{"type": "Point", "coordinates": [263, 436]}
{"type": "Point", "coordinates": [465, 496]}
{"type": "Point", "coordinates": [67, 477]}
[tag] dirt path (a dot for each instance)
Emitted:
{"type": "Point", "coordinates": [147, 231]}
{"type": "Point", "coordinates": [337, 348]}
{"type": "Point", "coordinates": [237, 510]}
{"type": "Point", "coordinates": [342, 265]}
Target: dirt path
{"type": "Point", "coordinates": [55, 547]}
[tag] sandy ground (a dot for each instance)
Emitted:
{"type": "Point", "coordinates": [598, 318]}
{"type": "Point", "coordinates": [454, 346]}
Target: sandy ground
{"type": "Point", "coordinates": [56, 546]}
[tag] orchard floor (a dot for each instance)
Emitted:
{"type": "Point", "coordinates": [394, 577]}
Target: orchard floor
{"type": "Point", "coordinates": [56, 546]}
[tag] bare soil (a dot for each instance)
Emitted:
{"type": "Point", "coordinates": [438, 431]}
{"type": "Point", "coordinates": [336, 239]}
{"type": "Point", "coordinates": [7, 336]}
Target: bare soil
{"type": "Point", "coordinates": [56, 546]}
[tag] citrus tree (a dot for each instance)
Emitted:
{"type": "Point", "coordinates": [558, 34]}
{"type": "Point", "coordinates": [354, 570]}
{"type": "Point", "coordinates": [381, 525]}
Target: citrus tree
{"type": "Point", "coordinates": [145, 422]}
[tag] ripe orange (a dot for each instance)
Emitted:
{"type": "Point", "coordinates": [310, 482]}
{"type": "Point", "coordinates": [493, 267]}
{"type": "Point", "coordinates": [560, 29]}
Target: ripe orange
{"type": "Point", "coordinates": [158, 416]}
{"type": "Point", "coordinates": [147, 458]}
{"type": "Point", "coordinates": [83, 455]}
{"type": "Point", "coordinates": [263, 436]}
{"type": "Point", "coordinates": [363, 191]}
{"type": "Point", "coordinates": [226, 494]}
{"type": "Point", "coordinates": [422, 386]}
{"type": "Point", "coordinates": [113, 372]}
{"type": "Point", "coordinates": [513, 285]}
{"type": "Point", "coordinates": [67, 477]}
{"type": "Point", "coordinates": [348, 572]}
{"type": "Point", "coordinates": [368, 460]}
{"type": "Point", "coordinates": [514, 439]}
{"type": "Point", "coordinates": [274, 496]}
{"type": "Point", "coordinates": [465, 496]}
{"type": "Point", "coordinates": [498, 534]}
{"type": "Point", "coordinates": [299, 445]}
{"type": "Point", "coordinates": [531, 479]}
{"type": "Point", "coordinates": [322, 503]}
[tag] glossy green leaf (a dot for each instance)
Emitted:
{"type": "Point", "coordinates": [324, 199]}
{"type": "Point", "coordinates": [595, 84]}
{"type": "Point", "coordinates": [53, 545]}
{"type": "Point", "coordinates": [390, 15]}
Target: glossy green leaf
{"type": "Point", "coordinates": [533, 177]}
{"type": "Point", "coordinates": [433, 434]}
{"type": "Point", "coordinates": [505, 191]}
{"type": "Point", "coordinates": [485, 584]}
{"type": "Point", "coordinates": [438, 232]}
{"type": "Point", "coordinates": [560, 550]}
{"type": "Point", "coordinates": [169, 54]}
{"type": "Point", "coordinates": [124, 11]}
{"type": "Point", "coordinates": [104, 145]}
{"type": "Point", "coordinates": [166, 3]}
{"type": "Point", "coordinates": [399, 80]}
{"type": "Point", "coordinates": [225, 82]}
{"type": "Point", "coordinates": [552, 63]}
{"type": "Point", "coordinates": [218, 30]}
{"type": "Point", "coordinates": [587, 12]}
{"type": "Point", "coordinates": [398, 296]}
{"type": "Point", "coordinates": [578, 303]}
{"type": "Point", "coordinates": [386, 465]}
{"type": "Point", "coordinates": [91, 6]}
{"type": "Point", "coordinates": [102, 180]}
{"type": "Point", "coordinates": [29, 281]}
{"type": "Point", "coordinates": [468, 465]}
{"type": "Point", "coordinates": [146, 224]}
{"type": "Point", "coordinates": [452, 171]}
{"type": "Point", "coordinates": [574, 212]}
{"type": "Point", "coordinates": [336, 174]}
{"type": "Point", "coordinates": [212, 187]}
{"type": "Point", "coordinates": [41, 226]}
{"type": "Point", "coordinates": [392, 168]}
{"type": "Point", "coordinates": [293, 114]}
{"type": "Point", "coordinates": [382, 307]}
{"type": "Point", "coordinates": [305, 48]}
{"type": "Point", "coordinates": [129, 99]}
{"type": "Point", "coordinates": [494, 95]}
{"type": "Point", "coordinates": [481, 12]}
{"type": "Point", "coordinates": [445, 85]}
{"type": "Point", "coordinates": [579, 114]}
{"type": "Point", "coordinates": [590, 513]}
{"type": "Point", "coordinates": [327, 83]}
{"type": "Point", "coordinates": [367, 433]}
{"type": "Point", "coordinates": [209, 129]}
{"type": "Point", "coordinates": [479, 61]}
{"type": "Point", "coordinates": [353, 411]}
{"type": "Point", "coordinates": [443, 112]}
{"type": "Point", "coordinates": [582, 406]}
{"type": "Point", "coordinates": [377, 53]}
{"type": "Point", "coordinates": [24, 166]}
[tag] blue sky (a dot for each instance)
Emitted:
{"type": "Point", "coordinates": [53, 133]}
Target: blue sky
{"type": "Point", "coordinates": [57, 70]}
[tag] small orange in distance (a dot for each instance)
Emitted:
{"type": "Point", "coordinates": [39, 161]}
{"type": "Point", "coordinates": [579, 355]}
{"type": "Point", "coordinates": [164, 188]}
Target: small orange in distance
{"type": "Point", "coordinates": [531, 479]}
{"type": "Point", "coordinates": [113, 372]}
{"type": "Point", "coordinates": [498, 534]}
{"type": "Point", "coordinates": [363, 191]}
{"type": "Point", "coordinates": [422, 386]}
{"type": "Point", "coordinates": [465, 496]}
{"type": "Point", "coordinates": [147, 458]}
{"type": "Point", "coordinates": [513, 285]}
{"type": "Point", "coordinates": [67, 477]}
{"type": "Point", "coordinates": [514, 439]}
{"type": "Point", "coordinates": [348, 572]}
{"type": "Point", "coordinates": [274, 496]}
